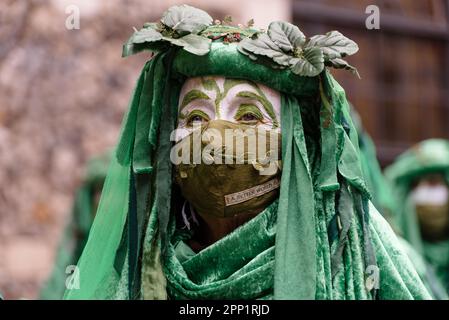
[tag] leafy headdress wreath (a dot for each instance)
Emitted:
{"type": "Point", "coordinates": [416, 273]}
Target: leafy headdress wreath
{"type": "Point", "coordinates": [283, 45]}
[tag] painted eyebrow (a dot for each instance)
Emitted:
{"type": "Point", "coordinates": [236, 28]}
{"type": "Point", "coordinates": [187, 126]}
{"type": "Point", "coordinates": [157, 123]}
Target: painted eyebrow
{"type": "Point", "coordinates": [243, 108]}
{"type": "Point", "coordinates": [193, 95]}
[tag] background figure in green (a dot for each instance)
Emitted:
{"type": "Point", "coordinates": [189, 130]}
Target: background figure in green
{"type": "Point", "coordinates": [420, 179]}
{"type": "Point", "coordinates": [383, 199]}
{"type": "Point", "coordinates": [76, 232]}
{"type": "Point", "coordinates": [319, 238]}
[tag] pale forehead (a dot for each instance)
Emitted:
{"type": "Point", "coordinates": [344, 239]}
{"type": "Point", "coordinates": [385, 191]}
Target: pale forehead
{"type": "Point", "coordinates": [197, 83]}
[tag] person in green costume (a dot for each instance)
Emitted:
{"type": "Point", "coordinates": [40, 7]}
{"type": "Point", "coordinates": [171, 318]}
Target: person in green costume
{"type": "Point", "coordinates": [77, 230]}
{"type": "Point", "coordinates": [300, 226]}
{"type": "Point", "coordinates": [383, 200]}
{"type": "Point", "coordinates": [420, 180]}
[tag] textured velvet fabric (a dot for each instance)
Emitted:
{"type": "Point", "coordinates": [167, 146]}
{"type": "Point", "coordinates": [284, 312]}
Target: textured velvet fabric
{"type": "Point", "coordinates": [239, 266]}
{"type": "Point", "coordinates": [383, 199]}
{"type": "Point", "coordinates": [224, 60]}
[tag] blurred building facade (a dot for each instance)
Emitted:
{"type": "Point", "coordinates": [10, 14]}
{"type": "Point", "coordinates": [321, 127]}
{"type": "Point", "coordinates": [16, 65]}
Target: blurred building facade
{"type": "Point", "coordinates": [403, 96]}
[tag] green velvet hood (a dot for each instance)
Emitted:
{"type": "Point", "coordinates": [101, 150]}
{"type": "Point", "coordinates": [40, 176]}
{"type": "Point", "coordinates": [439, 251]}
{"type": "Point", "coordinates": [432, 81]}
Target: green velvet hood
{"type": "Point", "coordinates": [322, 239]}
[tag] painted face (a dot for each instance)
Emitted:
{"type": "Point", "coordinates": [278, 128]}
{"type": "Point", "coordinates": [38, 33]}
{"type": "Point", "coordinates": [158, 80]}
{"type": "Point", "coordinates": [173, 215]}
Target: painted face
{"type": "Point", "coordinates": [242, 176]}
{"type": "Point", "coordinates": [203, 99]}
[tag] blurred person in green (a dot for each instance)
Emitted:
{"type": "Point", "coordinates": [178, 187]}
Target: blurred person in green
{"type": "Point", "coordinates": [384, 201]}
{"type": "Point", "coordinates": [305, 229]}
{"type": "Point", "coordinates": [76, 232]}
{"type": "Point", "coordinates": [420, 178]}
{"type": "Point", "coordinates": [380, 190]}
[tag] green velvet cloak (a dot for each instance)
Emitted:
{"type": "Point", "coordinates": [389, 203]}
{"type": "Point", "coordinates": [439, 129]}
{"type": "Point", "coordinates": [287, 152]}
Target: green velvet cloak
{"type": "Point", "coordinates": [322, 239]}
{"type": "Point", "coordinates": [426, 157]}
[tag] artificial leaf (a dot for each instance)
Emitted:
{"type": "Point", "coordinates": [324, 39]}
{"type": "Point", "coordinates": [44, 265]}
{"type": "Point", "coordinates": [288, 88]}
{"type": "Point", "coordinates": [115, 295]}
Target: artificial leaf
{"type": "Point", "coordinates": [185, 19]}
{"type": "Point", "coordinates": [247, 53]}
{"type": "Point", "coordinates": [338, 63]}
{"type": "Point", "coordinates": [192, 43]}
{"type": "Point", "coordinates": [154, 25]}
{"type": "Point", "coordinates": [334, 45]}
{"type": "Point", "coordinates": [130, 48]}
{"type": "Point", "coordinates": [264, 46]}
{"type": "Point", "coordinates": [146, 35]}
{"type": "Point", "coordinates": [310, 64]}
{"type": "Point", "coordinates": [286, 35]}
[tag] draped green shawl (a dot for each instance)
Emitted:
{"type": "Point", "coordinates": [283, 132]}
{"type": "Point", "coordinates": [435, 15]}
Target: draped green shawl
{"type": "Point", "coordinates": [322, 239]}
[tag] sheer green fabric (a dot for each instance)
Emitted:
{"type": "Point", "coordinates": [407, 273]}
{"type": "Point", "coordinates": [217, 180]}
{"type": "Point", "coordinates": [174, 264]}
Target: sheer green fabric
{"type": "Point", "coordinates": [328, 239]}
{"type": "Point", "coordinates": [101, 264]}
{"type": "Point", "coordinates": [76, 232]}
{"type": "Point", "coordinates": [430, 156]}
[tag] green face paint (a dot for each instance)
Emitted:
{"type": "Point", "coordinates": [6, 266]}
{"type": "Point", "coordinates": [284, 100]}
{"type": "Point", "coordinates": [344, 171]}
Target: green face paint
{"type": "Point", "coordinates": [193, 95]}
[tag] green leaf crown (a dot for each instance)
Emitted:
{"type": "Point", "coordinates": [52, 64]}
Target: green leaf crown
{"type": "Point", "coordinates": [282, 46]}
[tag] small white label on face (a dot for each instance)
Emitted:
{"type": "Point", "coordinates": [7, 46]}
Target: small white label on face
{"type": "Point", "coordinates": [248, 194]}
